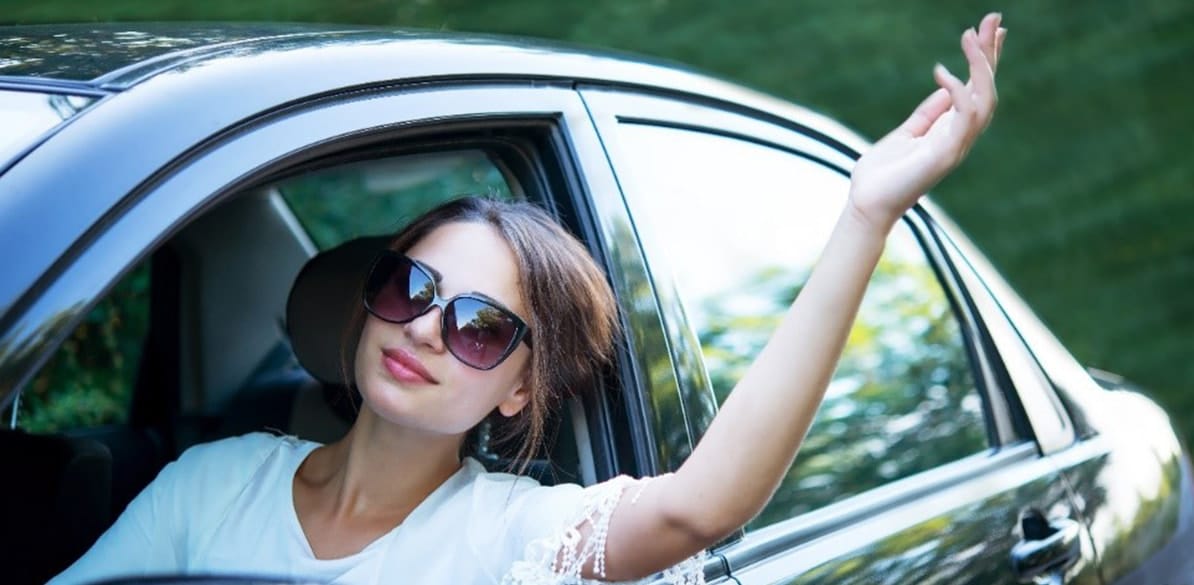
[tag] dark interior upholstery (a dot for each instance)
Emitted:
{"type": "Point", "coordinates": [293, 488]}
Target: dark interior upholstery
{"type": "Point", "coordinates": [324, 295]}
{"type": "Point", "coordinates": [138, 454]}
{"type": "Point", "coordinates": [54, 502]}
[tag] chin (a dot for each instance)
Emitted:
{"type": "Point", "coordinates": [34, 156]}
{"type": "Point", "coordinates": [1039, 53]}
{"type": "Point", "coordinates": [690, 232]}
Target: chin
{"type": "Point", "coordinates": [391, 403]}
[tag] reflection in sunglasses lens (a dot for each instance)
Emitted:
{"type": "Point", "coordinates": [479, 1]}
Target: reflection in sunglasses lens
{"type": "Point", "coordinates": [398, 290]}
{"type": "Point", "coordinates": [421, 287]}
{"type": "Point", "coordinates": [478, 333]}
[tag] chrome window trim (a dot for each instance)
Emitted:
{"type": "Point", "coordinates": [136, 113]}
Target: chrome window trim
{"type": "Point", "coordinates": [972, 326]}
{"type": "Point", "coordinates": [1051, 426]}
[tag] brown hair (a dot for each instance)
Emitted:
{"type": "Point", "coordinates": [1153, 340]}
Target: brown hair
{"type": "Point", "coordinates": [573, 315]}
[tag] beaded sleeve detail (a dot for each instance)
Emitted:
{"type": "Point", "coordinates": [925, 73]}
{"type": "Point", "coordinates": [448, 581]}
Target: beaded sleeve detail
{"type": "Point", "coordinates": [559, 559]}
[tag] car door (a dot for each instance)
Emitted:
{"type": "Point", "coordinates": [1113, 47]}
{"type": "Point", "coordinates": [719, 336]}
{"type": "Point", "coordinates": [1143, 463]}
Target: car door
{"type": "Point", "coordinates": [540, 141]}
{"type": "Point", "coordinates": [1130, 476]}
{"type": "Point", "coordinates": [921, 466]}
{"type": "Point", "coordinates": [205, 176]}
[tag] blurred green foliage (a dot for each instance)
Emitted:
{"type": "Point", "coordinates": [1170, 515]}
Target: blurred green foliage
{"type": "Point", "coordinates": [903, 399]}
{"type": "Point", "coordinates": [89, 380]}
{"type": "Point", "coordinates": [1080, 193]}
{"type": "Point", "coordinates": [378, 197]}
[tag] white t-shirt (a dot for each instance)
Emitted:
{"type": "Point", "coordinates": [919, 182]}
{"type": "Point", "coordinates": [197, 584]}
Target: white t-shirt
{"type": "Point", "coordinates": [227, 508]}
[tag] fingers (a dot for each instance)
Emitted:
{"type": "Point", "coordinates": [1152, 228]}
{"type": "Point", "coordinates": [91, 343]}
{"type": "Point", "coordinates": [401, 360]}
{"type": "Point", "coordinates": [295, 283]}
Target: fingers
{"type": "Point", "coordinates": [926, 113]}
{"type": "Point", "coordinates": [965, 125]}
{"type": "Point", "coordinates": [982, 78]}
{"type": "Point", "coordinates": [999, 36]}
{"type": "Point", "coordinates": [987, 41]}
{"type": "Point", "coordinates": [987, 31]}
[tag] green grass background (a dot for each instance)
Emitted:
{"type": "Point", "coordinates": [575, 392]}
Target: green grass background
{"type": "Point", "coordinates": [1081, 193]}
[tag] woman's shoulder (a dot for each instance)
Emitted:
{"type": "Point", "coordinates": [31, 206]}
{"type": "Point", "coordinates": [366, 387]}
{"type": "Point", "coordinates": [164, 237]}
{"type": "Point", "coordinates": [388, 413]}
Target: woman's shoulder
{"type": "Point", "coordinates": [513, 487]}
{"type": "Point", "coordinates": [249, 446]}
{"type": "Point", "coordinates": [523, 503]}
{"type": "Point", "coordinates": [235, 457]}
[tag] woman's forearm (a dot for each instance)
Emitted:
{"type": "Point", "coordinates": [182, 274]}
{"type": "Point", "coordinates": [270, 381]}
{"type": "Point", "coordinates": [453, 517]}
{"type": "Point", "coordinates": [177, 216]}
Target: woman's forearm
{"type": "Point", "coordinates": [759, 428]}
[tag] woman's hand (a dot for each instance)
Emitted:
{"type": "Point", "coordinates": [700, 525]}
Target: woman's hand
{"type": "Point", "coordinates": [906, 163]}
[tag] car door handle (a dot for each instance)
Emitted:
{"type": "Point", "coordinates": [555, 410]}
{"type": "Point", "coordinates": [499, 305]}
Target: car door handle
{"type": "Point", "coordinates": [1049, 547]}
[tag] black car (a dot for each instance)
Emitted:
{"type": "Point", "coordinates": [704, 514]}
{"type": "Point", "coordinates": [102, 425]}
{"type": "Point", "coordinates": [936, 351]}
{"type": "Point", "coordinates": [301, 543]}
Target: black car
{"type": "Point", "coordinates": [162, 186]}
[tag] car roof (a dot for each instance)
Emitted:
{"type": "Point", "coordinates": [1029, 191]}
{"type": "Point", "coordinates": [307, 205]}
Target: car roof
{"type": "Point", "coordinates": [117, 56]}
{"type": "Point", "coordinates": [100, 58]}
{"type": "Point", "coordinates": [279, 63]}
{"type": "Point", "coordinates": [86, 51]}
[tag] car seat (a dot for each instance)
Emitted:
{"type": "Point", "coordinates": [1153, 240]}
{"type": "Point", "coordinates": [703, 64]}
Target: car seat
{"type": "Point", "coordinates": [55, 501]}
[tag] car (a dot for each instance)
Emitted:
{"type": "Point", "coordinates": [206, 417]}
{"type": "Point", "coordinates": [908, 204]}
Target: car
{"type": "Point", "coordinates": [162, 187]}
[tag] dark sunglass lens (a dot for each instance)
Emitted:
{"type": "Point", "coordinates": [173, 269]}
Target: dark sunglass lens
{"type": "Point", "coordinates": [478, 333]}
{"type": "Point", "coordinates": [399, 290]}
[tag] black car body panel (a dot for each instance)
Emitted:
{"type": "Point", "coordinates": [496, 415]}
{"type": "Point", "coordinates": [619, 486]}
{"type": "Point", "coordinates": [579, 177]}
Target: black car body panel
{"type": "Point", "coordinates": [960, 533]}
{"type": "Point", "coordinates": [1132, 484]}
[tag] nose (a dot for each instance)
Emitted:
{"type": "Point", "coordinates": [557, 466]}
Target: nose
{"type": "Point", "coordinates": [425, 330]}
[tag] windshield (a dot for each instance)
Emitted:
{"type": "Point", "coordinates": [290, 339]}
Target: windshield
{"type": "Point", "coordinates": [25, 116]}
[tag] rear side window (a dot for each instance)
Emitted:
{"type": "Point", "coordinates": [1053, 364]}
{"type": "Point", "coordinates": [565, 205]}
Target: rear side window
{"type": "Point", "coordinates": [743, 224]}
{"type": "Point", "coordinates": [380, 196]}
{"type": "Point", "coordinates": [90, 379]}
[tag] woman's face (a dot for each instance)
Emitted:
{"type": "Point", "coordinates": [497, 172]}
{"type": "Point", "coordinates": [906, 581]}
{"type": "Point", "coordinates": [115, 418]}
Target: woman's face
{"type": "Point", "coordinates": [407, 376]}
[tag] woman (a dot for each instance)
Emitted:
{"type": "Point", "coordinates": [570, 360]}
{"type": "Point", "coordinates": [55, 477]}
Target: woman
{"type": "Point", "coordinates": [481, 308]}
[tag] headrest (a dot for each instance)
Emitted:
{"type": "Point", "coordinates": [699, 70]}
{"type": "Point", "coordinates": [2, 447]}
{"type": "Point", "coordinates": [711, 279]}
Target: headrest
{"type": "Point", "coordinates": [321, 302]}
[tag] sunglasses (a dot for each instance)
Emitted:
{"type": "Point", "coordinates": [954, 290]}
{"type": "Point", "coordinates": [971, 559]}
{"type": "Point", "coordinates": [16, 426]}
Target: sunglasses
{"type": "Point", "coordinates": [478, 330]}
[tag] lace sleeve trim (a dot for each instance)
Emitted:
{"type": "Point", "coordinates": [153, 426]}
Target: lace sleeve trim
{"type": "Point", "coordinates": [560, 558]}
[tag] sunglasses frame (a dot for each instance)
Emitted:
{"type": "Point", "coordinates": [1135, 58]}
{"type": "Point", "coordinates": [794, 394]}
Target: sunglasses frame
{"type": "Point", "coordinates": [522, 332]}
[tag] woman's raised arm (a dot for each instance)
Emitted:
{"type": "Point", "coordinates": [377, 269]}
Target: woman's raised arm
{"type": "Point", "coordinates": [744, 455]}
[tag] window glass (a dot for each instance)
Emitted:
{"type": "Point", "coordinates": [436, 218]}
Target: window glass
{"type": "Point", "coordinates": [89, 381]}
{"type": "Point", "coordinates": [741, 225]}
{"type": "Point", "coordinates": [380, 196]}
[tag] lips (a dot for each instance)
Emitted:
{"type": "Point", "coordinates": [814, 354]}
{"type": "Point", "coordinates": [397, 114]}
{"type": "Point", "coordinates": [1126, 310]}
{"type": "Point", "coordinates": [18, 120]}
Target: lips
{"type": "Point", "coordinates": [405, 367]}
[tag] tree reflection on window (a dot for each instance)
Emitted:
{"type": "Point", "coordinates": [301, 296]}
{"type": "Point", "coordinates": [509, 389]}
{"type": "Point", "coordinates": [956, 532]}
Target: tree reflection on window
{"type": "Point", "coordinates": [380, 196]}
{"type": "Point", "coordinates": [742, 225]}
{"type": "Point", "coordinates": [902, 400]}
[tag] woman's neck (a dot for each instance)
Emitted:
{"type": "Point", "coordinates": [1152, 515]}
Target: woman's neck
{"type": "Point", "coordinates": [379, 469]}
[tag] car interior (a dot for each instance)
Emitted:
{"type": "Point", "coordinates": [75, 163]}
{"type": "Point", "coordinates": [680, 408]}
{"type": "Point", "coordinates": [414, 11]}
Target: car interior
{"type": "Point", "coordinates": [237, 299]}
